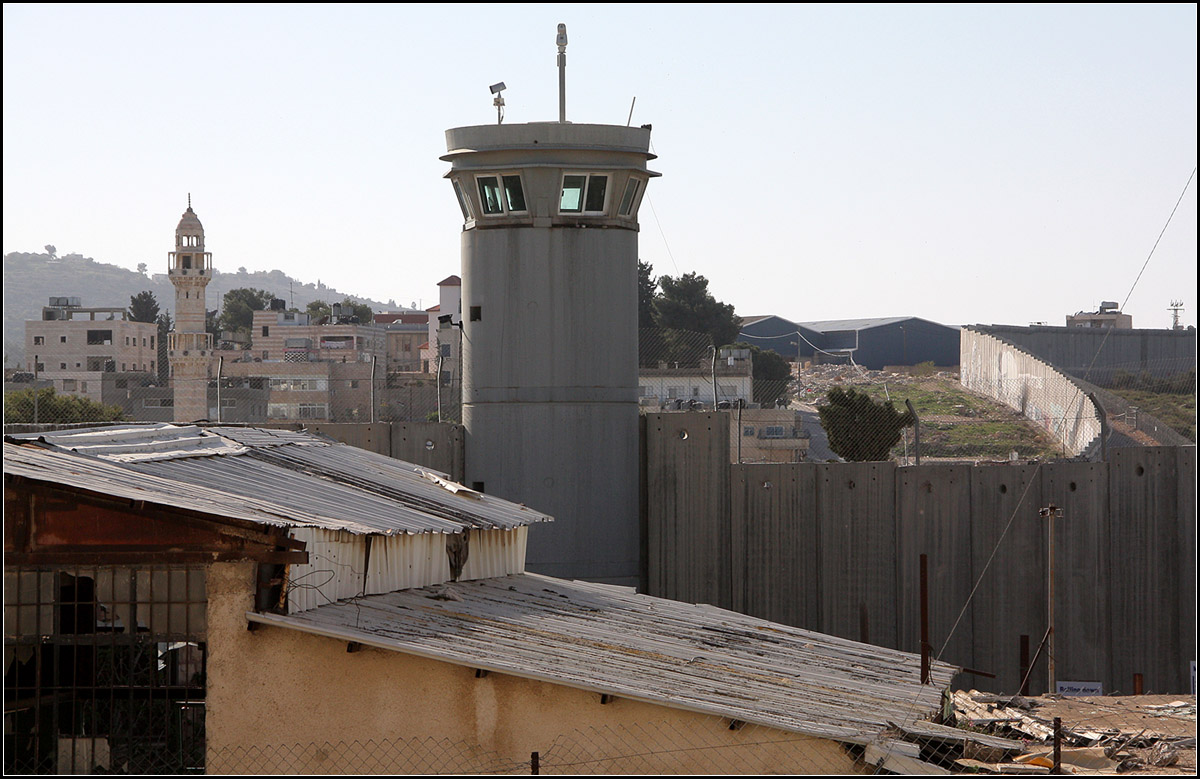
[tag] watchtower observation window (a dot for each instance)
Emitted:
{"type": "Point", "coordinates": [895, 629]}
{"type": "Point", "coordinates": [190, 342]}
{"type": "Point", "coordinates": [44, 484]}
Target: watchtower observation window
{"type": "Point", "coordinates": [630, 198]}
{"type": "Point", "coordinates": [464, 202]}
{"type": "Point", "coordinates": [583, 193]}
{"type": "Point", "coordinates": [501, 194]}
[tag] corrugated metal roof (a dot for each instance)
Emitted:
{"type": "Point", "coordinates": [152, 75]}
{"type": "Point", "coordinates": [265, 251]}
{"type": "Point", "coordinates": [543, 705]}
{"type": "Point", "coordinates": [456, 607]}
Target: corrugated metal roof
{"type": "Point", "coordinates": [834, 325]}
{"type": "Point", "coordinates": [110, 478]}
{"type": "Point", "coordinates": [608, 640]}
{"type": "Point", "coordinates": [305, 479]}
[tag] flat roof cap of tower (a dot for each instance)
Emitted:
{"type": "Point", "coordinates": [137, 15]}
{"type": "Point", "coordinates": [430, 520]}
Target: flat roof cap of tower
{"type": "Point", "coordinates": [548, 135]}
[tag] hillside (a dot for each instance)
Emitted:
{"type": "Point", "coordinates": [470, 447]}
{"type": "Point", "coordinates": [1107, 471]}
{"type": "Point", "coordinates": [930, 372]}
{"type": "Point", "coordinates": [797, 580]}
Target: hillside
{"type": "Point", "coordinates": [31, 279]}
{"type": "Point", "coordinates": [956, 424]}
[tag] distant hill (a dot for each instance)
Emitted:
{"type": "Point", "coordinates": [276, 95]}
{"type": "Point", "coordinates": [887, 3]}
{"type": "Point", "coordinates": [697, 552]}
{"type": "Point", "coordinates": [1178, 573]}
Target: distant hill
{"type": "Point", "coordinates": [31, 279]}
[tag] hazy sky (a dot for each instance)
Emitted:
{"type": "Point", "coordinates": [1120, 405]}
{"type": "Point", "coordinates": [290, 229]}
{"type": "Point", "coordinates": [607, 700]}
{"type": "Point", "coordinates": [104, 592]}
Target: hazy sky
{"type": "Point", "coordinates": [963, 164]}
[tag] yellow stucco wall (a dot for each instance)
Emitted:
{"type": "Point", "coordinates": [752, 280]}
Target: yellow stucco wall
{"type": "Point", "coordinates": [282, 701]}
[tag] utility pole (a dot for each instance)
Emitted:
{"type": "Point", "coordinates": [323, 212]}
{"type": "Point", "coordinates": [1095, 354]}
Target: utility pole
{"type": "Point", "coordinates": [1050, 513]}
{"type": "Point", "coordinates": [714, 376]}
{"type": "Point", "coordinates": [220, 372]}
{"type": "Point", "coordinates": [35, 389]}
{"type": "Point", "coordinates": [439, 383]}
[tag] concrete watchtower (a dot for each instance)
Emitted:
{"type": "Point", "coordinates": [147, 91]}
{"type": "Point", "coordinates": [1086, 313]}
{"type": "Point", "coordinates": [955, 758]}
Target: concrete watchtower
{"type": "Point", "coordinates": [549, 319]}
{"type": "Point", "coordinates": [189, 347]}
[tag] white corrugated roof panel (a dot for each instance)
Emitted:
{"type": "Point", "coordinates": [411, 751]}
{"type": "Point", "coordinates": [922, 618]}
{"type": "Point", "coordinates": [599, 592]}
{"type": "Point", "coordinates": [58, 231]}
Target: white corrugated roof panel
{"type": "Point", "coordinates": [608, 640]}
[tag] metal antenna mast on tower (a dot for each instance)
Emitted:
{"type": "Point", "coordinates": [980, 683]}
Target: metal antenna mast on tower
{"type": "Point", "coordinates": [1175, 307]}
{"type": "Point", "coordinates": [562, 72]}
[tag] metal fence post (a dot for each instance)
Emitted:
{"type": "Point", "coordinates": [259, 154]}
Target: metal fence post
{"type": "Point", "coordinates": [916, 429]}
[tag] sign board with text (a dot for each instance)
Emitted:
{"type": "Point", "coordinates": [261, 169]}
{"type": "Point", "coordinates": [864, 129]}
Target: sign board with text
{"type": "Point", "coordinates": [1079, 688]}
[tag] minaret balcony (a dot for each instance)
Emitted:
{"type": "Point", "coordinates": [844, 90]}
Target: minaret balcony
{"type": "Point", "coordinates": [193, 264]}
{"type": "Point", "coordinates": [186, 344]}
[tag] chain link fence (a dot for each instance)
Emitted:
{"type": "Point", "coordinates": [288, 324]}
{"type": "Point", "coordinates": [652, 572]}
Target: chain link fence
{"type": "Point", "coordinates": [81, 397]}
{"type": "Point", "coordinates": [816, 412]}
{"type": "Point", "coordinates": [979, 732]}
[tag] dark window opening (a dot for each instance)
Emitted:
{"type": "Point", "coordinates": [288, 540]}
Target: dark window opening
{"type": "Point", "coordinates": [489, 195]}
{"type": "Point", "coordinates": [99, 337]}
{"type": "Point", "coordinates": [597, 188]}
{"type": "Point", "coordinates": [476, 313]}
{"type": "Point", "coordinates": [514, 193]}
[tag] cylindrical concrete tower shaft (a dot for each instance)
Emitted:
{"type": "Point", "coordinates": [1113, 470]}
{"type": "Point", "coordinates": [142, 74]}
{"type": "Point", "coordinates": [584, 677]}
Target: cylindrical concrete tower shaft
{"type": "Point", "coordinates": [549, 332]}
{"type": "Point", "coordinates": [189, 346]}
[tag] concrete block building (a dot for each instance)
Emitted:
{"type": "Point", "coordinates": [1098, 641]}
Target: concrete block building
{"type": "Point", "coordinates": [75, 346]}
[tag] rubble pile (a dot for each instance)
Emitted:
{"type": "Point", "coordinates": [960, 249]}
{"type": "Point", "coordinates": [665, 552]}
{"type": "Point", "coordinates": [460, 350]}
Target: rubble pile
{"type": "Point", "coordinates": [814, 381]}
{"type": "Point", "coordinates": [1108, 735]}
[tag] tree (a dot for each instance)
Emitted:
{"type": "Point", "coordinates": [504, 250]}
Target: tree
{"type": "Point", "coordinates": [860, 429]}
{"type": "Point", "coordinates": [771, 374]}
{"type": "Point", "coordinates": [51, 250]}
{"type": "Point", "coordinates": [237, 313]}
{"type": "Point", "coordinates": [212, 324]}
{"type": "Point", "coordinates": [647, 289]}
{"type": "Point", "coordinates": [365, 313]}
{"type": "Point", "coordinates": [319, 309]}
{"type": "Point", "coordinates": [143, 307]}
{"type": "Point", "coordinates": [142, 268]}
{"type": "Point", "coordinates": [49, 408]}
{"type": "Point", "coordinates": [686, 304]}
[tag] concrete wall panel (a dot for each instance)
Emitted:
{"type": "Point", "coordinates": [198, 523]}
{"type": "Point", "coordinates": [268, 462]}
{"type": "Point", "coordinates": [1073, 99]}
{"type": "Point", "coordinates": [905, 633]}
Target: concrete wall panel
{"type": "Point", "coordinates": [687, 481]}
{"type": "Point", "coordinates": [1082, 632]}
{"type": "Point", "coordinates": [856, 542]}
{"type": "Point", "coordinates": [1007, 537]}
{"type": "Point", "coordinates": [933, 515]}
{"type": "Point", "coordinates": [437, 445]}
{"type": "Point", "coordinates": [1151, 571]}
{"type": "Point", "coordinates": [774, 569]}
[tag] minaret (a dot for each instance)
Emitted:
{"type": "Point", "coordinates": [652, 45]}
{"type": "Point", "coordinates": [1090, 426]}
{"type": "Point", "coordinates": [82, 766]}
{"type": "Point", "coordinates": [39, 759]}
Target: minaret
{"type": "Point", "coordinates": [189, 347]}
{"type": "Point", "coordinates": [549, 319]}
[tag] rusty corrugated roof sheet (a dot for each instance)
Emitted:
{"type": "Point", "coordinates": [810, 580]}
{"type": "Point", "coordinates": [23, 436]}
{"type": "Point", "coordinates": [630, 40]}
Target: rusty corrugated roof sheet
{"type": "Point", "coordinates": [609, 640]}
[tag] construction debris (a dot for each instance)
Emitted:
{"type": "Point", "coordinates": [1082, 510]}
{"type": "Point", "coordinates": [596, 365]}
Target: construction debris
{"type": "Point", "coordinates": [1106, 735]}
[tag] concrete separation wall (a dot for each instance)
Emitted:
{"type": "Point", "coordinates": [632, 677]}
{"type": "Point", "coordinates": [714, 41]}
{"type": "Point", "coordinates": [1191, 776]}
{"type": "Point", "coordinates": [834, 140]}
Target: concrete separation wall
{"type": "Point", "coordinates": [1006, 373]}
{"type": "Point", "coordinates": [435, 445]}
{"type": "Point", "coordinates": [1096, 354]}
{"type": "Point", "coordinates": [687, 524]}
{"type": "Point", "coordinates": [835, 547]}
